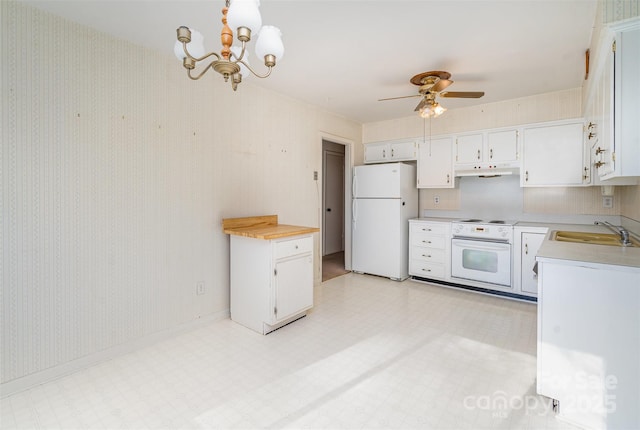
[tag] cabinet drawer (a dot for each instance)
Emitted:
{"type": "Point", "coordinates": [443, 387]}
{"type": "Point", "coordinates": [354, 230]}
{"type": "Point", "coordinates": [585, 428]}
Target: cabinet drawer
{"type": "Point", "coordinates": [428, 255]}
{"type": "Point", "coordinates": [428, 228]}
{"type": "Point", "coordinates": [426, 270]}
{"type": "Point", "coordinates": [428, 240]}
{"type": "Point", "coordinates": [287, 248]}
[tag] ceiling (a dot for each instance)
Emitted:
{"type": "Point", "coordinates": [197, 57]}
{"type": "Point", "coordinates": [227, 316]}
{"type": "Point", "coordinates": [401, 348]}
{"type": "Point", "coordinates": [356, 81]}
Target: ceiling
{"type": "Point", "coordinates": [345, 55]}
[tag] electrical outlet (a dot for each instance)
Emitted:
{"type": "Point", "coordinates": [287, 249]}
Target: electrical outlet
{"type": "Point", "coordinates": [200, 288]}
{"type": "Point", "coordinates": [436, 200]}
{"type": "Point", "coordinates": [315, 175]}
{"type": "Point", "coordinates": [607, 202]}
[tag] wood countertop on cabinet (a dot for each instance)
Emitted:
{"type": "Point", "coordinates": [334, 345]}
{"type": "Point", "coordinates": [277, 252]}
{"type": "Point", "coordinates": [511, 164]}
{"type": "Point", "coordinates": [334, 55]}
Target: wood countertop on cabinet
{"type": "Point", "coordinates": [263, 227]}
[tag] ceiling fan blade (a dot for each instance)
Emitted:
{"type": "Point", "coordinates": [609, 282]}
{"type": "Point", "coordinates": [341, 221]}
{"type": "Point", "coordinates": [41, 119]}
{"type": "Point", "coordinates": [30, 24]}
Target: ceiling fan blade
{"type": "Point", "coordinates": [441, 85]}
{"type": "Point", "coordinates": [422, 104]}
{"type": "Point", "coordinates": [402, 97]}
{"type": "Point", "coordinates": [463, 94]}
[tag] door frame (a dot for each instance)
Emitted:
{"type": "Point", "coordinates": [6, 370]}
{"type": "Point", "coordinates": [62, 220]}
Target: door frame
{"type": "Point", "coordinates": [348, 169]}
{"type": "Point", "coordinates": [325, 153]}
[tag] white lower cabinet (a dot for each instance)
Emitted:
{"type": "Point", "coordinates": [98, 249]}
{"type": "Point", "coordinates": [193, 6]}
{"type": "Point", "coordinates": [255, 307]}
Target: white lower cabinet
{"type": "Point", "coordinates": [429, 249]}
{"type": "Point", "coordinates": [271, 281]}
{"type": "Point", "coordinates": [527, 242]}
{"type": "Point", "coordinates": [588, 350]}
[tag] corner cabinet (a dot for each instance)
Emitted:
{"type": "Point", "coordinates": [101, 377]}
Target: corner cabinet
{"type": "Point", "coordinates": [553, 154]}
{"type": "Point", "coordinates": [435, 163]}
{"type": "Point", "coordinates": [612, 106]}
{"type": "Point", "coordinates": [390, 152]}
{"type": "Point", "coordinates": [271, 281]}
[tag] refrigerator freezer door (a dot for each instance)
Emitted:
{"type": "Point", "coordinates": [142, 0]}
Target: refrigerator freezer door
{"type": "Point", "coordinates": [377, 181]}
{"type": "Point", "coordinates": [380, 236]}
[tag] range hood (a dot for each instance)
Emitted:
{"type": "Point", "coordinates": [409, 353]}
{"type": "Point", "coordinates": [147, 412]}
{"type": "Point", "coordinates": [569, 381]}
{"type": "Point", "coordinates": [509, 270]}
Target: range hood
{"type": "Point", "coordinates": [487, 170]}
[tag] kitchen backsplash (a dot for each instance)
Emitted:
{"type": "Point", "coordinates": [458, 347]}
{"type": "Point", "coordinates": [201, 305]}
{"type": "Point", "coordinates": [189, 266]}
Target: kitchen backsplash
{"type": "Point", "coordinates": [503, 198]}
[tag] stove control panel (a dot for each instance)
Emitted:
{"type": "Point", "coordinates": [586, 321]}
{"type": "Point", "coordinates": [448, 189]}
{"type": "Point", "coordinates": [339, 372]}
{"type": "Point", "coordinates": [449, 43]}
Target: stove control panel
{"type": "Point", "coordinates": [485, 231]}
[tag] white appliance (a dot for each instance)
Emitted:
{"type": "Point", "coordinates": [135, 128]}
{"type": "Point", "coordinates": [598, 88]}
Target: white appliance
{"type": "Point", "coordinates": [385, 198]}
{"type": "Point", "coordinates": [481, 251]}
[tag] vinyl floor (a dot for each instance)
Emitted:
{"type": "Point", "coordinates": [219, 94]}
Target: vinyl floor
{"type": "Point", "coordinates": [372, 354]}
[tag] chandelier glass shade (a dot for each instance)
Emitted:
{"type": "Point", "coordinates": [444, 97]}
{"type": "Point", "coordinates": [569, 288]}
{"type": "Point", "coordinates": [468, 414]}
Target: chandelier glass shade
{"type": "Point", "coordinates": [232, 62]}
{"type": "Point", "coordinates": [432, 109]}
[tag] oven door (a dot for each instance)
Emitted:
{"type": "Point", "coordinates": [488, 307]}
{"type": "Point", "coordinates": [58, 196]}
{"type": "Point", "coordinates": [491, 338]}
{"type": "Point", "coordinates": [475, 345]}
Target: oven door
{"type": "Point", "coordinates": [481, 261]}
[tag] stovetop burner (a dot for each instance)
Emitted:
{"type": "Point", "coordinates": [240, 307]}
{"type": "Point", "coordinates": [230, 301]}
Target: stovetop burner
{"type": "Point", "coordinates": [480, 221]}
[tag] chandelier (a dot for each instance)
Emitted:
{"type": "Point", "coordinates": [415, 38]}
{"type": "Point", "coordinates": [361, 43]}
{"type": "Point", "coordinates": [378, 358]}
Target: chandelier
{"type": "Point", "coordinates": [231, 62]}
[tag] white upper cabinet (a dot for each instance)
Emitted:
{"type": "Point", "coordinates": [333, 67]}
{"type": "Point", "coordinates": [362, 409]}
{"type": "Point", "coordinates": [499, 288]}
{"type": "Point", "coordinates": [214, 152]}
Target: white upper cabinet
{"type": "Point", "coordinates": [390, 152]}
{"type": "Point", "coordinates": [612, 106]}
{"type": "Point", "coordinates": [435, 163]}
{"type": "Point", "coordinates": [553, 155]}
{"type": "Point", "coordinates": [502, 146]}
{"type": "Point", "coordinates": [469, 148]}
{"type": "Point", "coordinates": [490, 147]}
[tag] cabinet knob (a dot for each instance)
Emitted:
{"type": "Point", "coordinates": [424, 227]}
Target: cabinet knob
{"type": "Point", "coordinates": [598, 164]}
{"type": "Point", "coordinates": [526, 176]}
{"type": "Point", "coordinates": [591, 125]}
{"type": "Point", "coordinates": [478, 154]}
{"type": "Point", "coordinates": [599, 150]}
{"type": "Point", "coordinates": [591, 136]}
{"type": "Point", "coordinates": [448, 178]}
{"type": "Point", "coordinates": [491, 154]}
{"type": "Point", "coordinates": [526, 249]}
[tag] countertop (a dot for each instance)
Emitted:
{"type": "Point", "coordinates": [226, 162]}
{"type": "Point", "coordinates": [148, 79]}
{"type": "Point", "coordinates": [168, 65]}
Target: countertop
{"type": "Point", "coordinates": [599, 254]}
{"type": "Point", "coordinates": [264, 227]}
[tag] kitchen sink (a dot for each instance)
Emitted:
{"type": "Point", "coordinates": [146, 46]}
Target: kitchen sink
{"type": "Point", "coordinates": [590, 238]}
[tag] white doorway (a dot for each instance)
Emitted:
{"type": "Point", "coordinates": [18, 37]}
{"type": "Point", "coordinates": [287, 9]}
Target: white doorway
{"type": "Point", "coordinates": [335, 180]}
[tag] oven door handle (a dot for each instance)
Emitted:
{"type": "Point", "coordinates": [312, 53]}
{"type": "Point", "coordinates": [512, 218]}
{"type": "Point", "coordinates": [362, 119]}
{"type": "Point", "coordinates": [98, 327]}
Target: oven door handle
{"type": "Point", "coordinates": [494, 246]}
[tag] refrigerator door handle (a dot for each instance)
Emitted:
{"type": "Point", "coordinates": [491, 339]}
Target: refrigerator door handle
{"type": "Point", "coordinates": [354, 212]}
{"type": "Point", "coordinates": [354, 185]}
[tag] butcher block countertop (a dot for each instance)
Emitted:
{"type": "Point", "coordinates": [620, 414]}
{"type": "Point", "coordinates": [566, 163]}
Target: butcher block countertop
{"type": "Point", "coordinates": [263, 227]}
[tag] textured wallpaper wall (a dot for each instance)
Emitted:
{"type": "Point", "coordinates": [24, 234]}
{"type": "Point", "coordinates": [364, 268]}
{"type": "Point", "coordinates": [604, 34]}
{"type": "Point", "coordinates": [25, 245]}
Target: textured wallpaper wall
{"type": "Point", "coordinates": [116, 171]}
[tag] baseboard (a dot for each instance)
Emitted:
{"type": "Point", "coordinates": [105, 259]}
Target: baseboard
{"type": "Point", "coordinates": [29, 381]}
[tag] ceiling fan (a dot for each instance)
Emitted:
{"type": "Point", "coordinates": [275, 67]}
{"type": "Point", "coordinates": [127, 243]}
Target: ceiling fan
{"type": "Point", "coordinates": [432, 85]}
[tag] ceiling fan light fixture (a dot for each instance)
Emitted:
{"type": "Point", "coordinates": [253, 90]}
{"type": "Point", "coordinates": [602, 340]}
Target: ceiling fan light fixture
{"type": "Point", "coordinates": [433, 109]}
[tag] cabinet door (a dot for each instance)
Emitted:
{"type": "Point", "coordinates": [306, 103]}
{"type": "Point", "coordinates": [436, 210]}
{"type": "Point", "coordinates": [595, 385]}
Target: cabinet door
{"type": "Point", "coordinates": [435, 163]}
{"type": "Point", "coordinates": [469, 148]}
{"type": "Point", "coordinates": [403, 150]}
{"type": "Point", "coordinates": [502, 146]}
{"type": "Point", "coordinates": [531, 243]}
{"type": "Point", "coordinates": [293, 286]}
{"type": "Point", "coordinates": [376, 152]}
{"type": "Point", "coordinates": [604, 149]}
{"type": "Point", "coordinates": [553, 155]}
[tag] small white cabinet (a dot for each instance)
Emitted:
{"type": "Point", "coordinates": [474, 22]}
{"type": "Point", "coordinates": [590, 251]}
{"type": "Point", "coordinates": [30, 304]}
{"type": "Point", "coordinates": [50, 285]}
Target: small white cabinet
{"type": "Point", "coordinates": [493, 146]}
{"type": "Point", "coordinates": [429, 249]}
{"type": "Point", "coordinates": [553, 155]}
{"type": "Point", "coordinates": [389, 152]}
{"type": "Point", "coordinates": [527, 242]}
{"type": "Point", "coordinates": [435, 163]}
{"type": "Point", "coordinates": [271, 280]}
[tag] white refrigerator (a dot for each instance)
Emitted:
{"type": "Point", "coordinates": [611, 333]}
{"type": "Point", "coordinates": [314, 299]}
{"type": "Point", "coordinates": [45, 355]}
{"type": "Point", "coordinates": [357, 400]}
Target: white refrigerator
{"type": "Point", "coordinates": [385, 198]}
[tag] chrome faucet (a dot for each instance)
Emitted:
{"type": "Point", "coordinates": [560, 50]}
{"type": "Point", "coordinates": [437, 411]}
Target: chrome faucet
{"type": "Point", "coordinates": [624, 234]}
